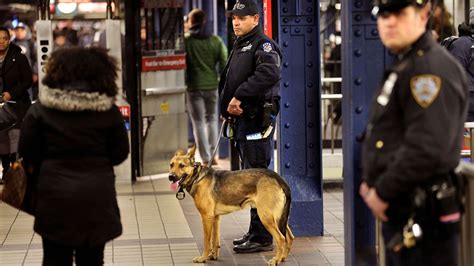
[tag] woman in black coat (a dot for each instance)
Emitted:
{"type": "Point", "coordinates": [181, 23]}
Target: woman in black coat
{"type": "Point", "coordinates": [15, 79]}
{"type": "Point", "coordinates": [73, 137]}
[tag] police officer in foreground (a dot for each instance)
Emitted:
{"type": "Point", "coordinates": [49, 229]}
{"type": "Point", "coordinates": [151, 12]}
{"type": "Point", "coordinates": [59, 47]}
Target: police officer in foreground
{"type": "Point", "coordinates": [413, 140]}
{"type": "Point", "coordinates": [249, 97]}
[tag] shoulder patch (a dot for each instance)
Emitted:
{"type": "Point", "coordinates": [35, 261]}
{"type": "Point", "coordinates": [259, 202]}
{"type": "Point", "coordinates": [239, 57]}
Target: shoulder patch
{"type": "Point", "coordinates": [425, 89]}
{"type": "Point", "coordinates": [267, 47]}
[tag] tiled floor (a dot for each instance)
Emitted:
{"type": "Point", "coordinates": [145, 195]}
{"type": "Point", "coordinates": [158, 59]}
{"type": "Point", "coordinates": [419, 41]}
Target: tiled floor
{"type": "Point", "coordinates": [160, 230]}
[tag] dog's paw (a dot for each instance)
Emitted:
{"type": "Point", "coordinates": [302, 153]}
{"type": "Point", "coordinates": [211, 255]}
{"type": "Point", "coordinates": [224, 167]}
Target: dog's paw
{"type": "Point", "coordinates": [273, 262]}
{"type": "Point", "coordinates": [199, 259]}
{"type": "Point", "coordinates": [212, 255]}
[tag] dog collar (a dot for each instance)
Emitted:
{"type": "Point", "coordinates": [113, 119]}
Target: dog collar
{"type": "Point", "coordinates": [195, 178]}
{"type": "Point", "coordinates": [180, 195]}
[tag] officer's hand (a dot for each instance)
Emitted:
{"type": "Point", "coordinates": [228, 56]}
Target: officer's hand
{"type": "Point", "coordinates": [234, 107]}
{"type": "Point", "coordinates": [363, 189]}
{"type": "Point", "coordinates": [6, 96]}
{"type": "Point", "coordinates": [376, 204]}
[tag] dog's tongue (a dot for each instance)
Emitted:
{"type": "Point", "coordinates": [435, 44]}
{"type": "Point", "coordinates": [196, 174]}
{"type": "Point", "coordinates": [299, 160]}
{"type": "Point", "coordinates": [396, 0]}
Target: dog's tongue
{"type": "Point", "coordinates": [174, 186]}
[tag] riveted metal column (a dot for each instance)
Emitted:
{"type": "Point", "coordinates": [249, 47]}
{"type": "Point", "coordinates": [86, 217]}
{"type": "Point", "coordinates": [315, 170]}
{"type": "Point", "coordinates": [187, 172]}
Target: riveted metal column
{"type": "Point", "coordinates": [363, 59]}
{"type": "Point", "coordinates": [300, 118]}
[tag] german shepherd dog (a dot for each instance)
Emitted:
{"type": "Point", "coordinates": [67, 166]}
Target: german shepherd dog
{"type": "Point", "coordinates": [219, 192]}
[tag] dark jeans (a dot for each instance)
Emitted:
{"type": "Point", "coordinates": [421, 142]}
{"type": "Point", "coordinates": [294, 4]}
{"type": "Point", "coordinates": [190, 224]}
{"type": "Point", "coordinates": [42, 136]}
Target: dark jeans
{"type": "Point", "coordinates": [256, 154]}
{"type": "Point", "coordinates": [55, 254]}
{"type": "Point", "coordinates": [432, 251]}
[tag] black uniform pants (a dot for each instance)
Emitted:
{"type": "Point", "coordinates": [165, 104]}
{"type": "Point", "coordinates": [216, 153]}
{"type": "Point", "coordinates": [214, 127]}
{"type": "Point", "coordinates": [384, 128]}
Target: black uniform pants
{"type": "Point", "coordinates": [432, 251]}
{"type": "Point", "coordinates": [55, 254]}
{"type": "Point", "coordinates": [256, 154]}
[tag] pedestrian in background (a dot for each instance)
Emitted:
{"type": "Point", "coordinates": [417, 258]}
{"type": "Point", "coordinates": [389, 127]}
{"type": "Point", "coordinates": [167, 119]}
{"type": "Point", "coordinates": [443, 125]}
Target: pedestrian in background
{"type": "Point", "coordinates": [249, 96]}
{"type": "Point", "coordinates": [442, 25]}
{"type": "Point", "coordinates": [462, 49]}
{"type": "Point", "coordinates": [23, 38]}
{"type": "Point", "coordinates": [407, 158]}
{"type": "Point", "coordinates": [206, 56]}
{"type": "Point", "coordinates": [72, 138]}
{"type": "Point", "coordinates": [15, 79]}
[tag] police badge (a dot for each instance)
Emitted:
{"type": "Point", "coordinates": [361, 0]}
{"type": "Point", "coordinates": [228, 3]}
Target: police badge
{"type": "Point", "coordinates": [425, 89]}
{"type": "Point", "coordinates": [267, 47]}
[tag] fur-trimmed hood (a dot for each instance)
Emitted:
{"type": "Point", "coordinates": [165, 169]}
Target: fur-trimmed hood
{"type": "Point", "coordinates": [75, 100]}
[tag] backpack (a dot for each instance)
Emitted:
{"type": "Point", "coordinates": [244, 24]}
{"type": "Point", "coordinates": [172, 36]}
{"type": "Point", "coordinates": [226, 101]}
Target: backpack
{"type": "Point", "coordinates": [448, 42]}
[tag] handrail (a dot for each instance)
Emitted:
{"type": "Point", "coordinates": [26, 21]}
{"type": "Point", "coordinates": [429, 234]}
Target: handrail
{"type": "Point", "coordinates": [330, 80]}
{"type": "Point", "coordinates": [331, 96]}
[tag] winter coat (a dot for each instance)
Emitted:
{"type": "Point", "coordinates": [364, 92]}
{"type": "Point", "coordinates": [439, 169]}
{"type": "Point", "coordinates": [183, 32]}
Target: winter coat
{"type": "Point", "coordinates": [17, 79]}
{"type": "Point", "coordinates": [404, 146]}
{"type": "Point", "coordinates": [462, 50]}
{"type": "Point", "coordinates": [252, 75]}
{"type": "Point", "coordinates": [73, 139]}
{"type": "Point", "coordinates": [203, 54]}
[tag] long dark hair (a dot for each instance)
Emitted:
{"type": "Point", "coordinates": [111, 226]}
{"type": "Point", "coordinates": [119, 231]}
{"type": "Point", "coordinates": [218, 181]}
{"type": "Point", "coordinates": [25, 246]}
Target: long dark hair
{"type": "Point", "coordinates": [84, 69]}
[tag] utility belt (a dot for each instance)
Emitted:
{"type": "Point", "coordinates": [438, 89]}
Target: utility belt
{"type": "Point", "coordinates": [262, 114]}
{"type": "Point", "coordinates": [436, 211]}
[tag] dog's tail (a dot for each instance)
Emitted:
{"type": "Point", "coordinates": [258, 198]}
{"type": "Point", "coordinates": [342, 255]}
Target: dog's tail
{"type": "Point", "coordinates": [283, 222]}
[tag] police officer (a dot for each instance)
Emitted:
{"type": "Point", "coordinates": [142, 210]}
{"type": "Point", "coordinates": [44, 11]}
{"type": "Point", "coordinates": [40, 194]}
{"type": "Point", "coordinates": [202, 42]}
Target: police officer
{"type": "Point", "coordinates": [413, 137]}
{"type": "Point", "coordinates": [249, 96]}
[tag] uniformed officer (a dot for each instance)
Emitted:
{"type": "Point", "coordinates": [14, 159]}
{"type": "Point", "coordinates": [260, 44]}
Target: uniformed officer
{"type": "Point", "coordinates": [248, 90]}
{"type": "Point", "coordinates": [413, 138]}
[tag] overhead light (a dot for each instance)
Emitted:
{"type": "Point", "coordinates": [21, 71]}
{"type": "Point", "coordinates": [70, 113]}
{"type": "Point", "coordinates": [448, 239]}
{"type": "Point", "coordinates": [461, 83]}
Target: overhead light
{"type": "Point", "coordinates": [338, 6]}
{"type": "Point", "coordinates": [66, 8]}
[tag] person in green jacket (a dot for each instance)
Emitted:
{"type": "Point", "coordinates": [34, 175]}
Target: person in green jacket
{"type": "Point", "coordinates": [206, 56]}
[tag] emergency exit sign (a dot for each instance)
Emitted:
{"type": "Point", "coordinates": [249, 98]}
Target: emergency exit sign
{"type": "Point", "coordinates": [162, 3]}
{"type": "Point", "coordinates": [167, 62]}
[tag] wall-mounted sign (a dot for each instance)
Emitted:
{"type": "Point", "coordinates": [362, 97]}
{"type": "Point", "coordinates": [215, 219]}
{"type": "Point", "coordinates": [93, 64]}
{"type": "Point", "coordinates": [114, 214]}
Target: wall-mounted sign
{"type": "Point", "coordinates": [168, 62]}
{"type": "Point", "coordinates": [162, 3]}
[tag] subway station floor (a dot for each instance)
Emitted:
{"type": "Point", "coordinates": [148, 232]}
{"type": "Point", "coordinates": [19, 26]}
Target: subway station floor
{"type": "Point", "coordinates": [158, 229]}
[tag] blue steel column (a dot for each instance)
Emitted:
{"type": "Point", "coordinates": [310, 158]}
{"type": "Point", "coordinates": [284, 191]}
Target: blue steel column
{"type": "Point", "coordinates": [300, 118]}
{"type": "Point", "coordinates": [363, 59]}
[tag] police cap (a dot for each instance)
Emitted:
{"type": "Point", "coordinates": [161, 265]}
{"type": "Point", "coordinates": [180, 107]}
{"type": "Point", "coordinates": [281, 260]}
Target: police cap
{"type": "Point", "coordinates": [389, 6]}
{"type": "Point", "coordinates": [243, 8]}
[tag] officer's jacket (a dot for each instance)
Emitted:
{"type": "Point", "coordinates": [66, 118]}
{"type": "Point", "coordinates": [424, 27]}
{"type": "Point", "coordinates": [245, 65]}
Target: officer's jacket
{"type": "Point", "coordinates": [416, 121]}
{"type": "Point", "coordinates": [252, 73]}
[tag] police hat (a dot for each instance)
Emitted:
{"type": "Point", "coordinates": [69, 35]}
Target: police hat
{"type": "Point", "coordinates": [243, 8]}
{"type": "Point", "coordinates": [383, 6]}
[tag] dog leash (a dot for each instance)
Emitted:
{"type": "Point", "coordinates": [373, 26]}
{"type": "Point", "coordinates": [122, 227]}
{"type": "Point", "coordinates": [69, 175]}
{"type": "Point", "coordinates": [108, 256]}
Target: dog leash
{"type": "Point", "coordinates": [218, 141]}
{"type": "Point", "coordinates": [180, 195]}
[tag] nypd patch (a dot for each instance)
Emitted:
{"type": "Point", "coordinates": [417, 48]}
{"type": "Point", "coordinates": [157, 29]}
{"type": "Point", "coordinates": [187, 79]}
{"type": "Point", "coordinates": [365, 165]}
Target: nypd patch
{"type": "Point", "coordinates": [425, 89]}
{"type": "Point", "coordinates": [267, 47]}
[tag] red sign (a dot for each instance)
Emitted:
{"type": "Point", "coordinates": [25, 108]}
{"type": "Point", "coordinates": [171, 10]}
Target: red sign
{"type": "Point", "coordinates": [125, 110]}
{"type": "Point", "coordinates": [162, 3]}
{"type": "Point", "coordinates": [168, 62]}
{"type": "Point", "coordinates": [267, 17]}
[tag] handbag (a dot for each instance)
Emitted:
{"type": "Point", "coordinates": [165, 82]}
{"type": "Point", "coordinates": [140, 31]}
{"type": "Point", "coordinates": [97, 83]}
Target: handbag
{"type": "Point", "coordinates": [16, 190]}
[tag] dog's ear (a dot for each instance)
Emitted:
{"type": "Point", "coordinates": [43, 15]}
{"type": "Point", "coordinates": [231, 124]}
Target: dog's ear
{"type": "Point", "coordinates": [192, 151]}
{"type": "Point", "coordinates": [179, 153]}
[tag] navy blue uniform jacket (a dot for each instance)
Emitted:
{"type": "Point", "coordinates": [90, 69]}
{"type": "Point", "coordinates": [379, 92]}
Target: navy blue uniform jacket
{"type": "Point", "coordinates": [252, 75]}
{"type": "Point", "coordinates": [416, 121]}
